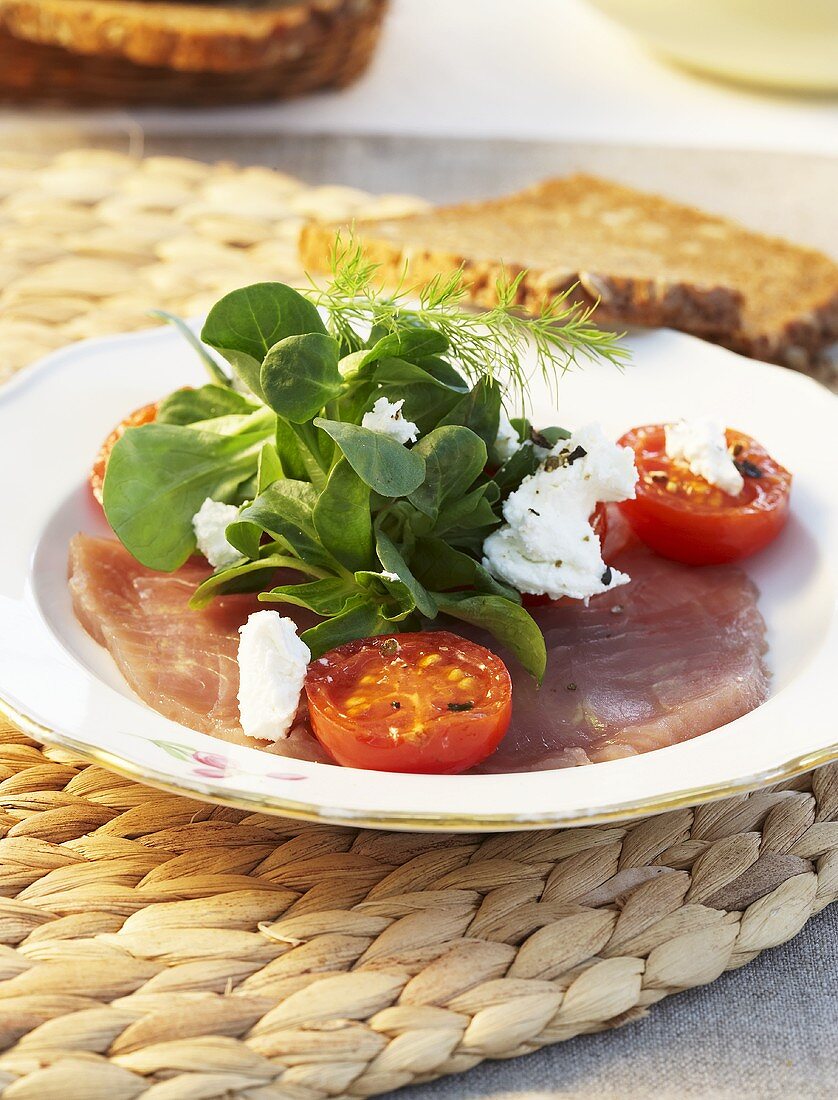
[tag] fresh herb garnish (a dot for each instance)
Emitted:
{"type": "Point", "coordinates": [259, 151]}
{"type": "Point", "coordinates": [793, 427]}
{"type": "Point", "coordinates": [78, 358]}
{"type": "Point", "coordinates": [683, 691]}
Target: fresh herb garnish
{"type": "Point", "coordinates": [384, 536]}
{"type": "Point", "coordinates": [485, 345]}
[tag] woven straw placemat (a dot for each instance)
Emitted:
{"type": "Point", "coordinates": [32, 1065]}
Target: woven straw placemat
{"type": "Point", "coordinates": [163, 948]}
{"type": "Point", "coordinates": [91, 240]}
{"type": "Point", "coordinates": [158, 947]}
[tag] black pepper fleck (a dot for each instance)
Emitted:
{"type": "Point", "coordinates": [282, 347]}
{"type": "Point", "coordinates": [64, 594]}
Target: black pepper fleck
{"type": "Point", "coordinates": [395, 704]}
{"type": "Point", "coordinates": [468, 705]}
{"type": "Point", "coordinates": [577, 452]}
{"type": "Point", "coordinates": [607, 575]}
{"type": "Point", "coordinates": [571, 687]}
{"type": "Point", "coordinates": [747, 469]}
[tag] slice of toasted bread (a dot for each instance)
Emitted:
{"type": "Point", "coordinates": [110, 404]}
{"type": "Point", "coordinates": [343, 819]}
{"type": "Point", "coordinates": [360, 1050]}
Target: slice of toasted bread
{"type": "Point", "coordinates": [648, 261]}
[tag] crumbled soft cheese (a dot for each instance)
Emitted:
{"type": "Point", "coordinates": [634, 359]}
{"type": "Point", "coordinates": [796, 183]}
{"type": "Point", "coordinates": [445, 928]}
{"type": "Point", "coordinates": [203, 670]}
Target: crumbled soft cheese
{"type": "Point", "coordinates": [388, 576]}
{"type": "Point", "coordinates": [547, 545]}
{"type": "Point", "coordinates": [210, 524]}
{"type": "Point", "coordinates": [702, 445]}
{"type": "Point", "coordinates": [272, 669]}
{"type": "Point", "coordinates": [507, 442]}
{"type": "Point", "coordinates": [386, 418]}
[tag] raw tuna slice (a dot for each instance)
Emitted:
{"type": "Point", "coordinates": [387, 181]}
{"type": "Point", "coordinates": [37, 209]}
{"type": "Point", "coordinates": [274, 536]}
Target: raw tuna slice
{"type": "Point", "coordinates": [675, 653]}
{"type": "Point", "coordinates": [181, 662]}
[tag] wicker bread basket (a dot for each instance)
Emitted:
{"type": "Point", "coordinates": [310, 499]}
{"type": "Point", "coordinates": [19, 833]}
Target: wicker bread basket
{"type": "Point", "coordinates": [190, 54]}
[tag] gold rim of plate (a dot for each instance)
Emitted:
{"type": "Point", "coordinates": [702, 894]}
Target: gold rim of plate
{"type": "Point", "coordinates": [429, 822]}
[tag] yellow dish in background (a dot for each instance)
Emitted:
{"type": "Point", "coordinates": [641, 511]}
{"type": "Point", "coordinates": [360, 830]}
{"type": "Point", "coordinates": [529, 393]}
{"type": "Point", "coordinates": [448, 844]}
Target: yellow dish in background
{"type": "Point", "coordinates": [773, 43]}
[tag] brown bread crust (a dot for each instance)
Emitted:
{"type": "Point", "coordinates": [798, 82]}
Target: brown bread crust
{"type": "Point", "coordinates": [623, 301]}
{"type": "Point", "coordinates": [649, 261]}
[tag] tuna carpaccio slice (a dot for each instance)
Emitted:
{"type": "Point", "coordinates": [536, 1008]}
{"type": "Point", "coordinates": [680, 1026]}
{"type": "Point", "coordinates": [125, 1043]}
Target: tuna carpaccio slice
{"type": "Point", "coordinates": [675, 653]}
{"type": "Point", "coordinates": [180, 662]}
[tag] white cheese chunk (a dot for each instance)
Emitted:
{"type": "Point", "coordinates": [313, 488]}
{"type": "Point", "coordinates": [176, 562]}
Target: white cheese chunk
{"type": "Point", "coordinates": [386, 417]}
{"type": "Point", "coordinates": [210, 524]}
{"type": "Point", "coordinates": [547, 545]}
{"type": "Point", "coordinates": [702, 445]}
{"type": "Point", "coordinates": [507, 442]}
{"type": "Point", "coordinates": [272, 669]}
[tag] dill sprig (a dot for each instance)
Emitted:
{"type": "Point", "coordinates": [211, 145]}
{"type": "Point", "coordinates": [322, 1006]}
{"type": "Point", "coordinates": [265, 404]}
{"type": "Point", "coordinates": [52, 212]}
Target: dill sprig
{"type": "Point", "coordinates": [498, 342]}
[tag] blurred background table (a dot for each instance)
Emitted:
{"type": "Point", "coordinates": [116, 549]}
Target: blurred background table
{"type": "Point", "coordinates": [547, 69]}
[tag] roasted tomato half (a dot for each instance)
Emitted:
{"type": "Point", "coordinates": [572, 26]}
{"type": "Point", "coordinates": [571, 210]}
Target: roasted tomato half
{"type": "Point", "coordinates": [599, 523]}
{"type": "Point", "coordinates": [682, 516]}
{"type": "Point", "coordinates": [427, 702]}
{"type": "Point", "coordinates": [136, 419]}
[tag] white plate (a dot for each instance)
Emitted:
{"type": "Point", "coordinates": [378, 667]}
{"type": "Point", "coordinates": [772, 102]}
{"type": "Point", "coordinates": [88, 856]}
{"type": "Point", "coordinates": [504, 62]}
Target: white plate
{"type": "Point", "coordinates": [61, 686]}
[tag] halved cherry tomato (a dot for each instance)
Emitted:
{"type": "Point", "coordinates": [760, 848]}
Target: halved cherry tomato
{"type": "Point", "coordinates": [599, 523]}
{"type": "Point", "coordinates": [427, 702]}
{"type": "Point", "coordinates": [682, 516]}
{"type": "Point", "coordinates": [136, 419]}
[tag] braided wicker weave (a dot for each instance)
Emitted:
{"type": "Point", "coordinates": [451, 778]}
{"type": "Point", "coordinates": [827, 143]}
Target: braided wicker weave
{"type": "Point", "coordinates": [163, 948]}
{"type": "Point", "coordinates": [91, 240]}
{"type": "Point", "coordinates": [157, 947]}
